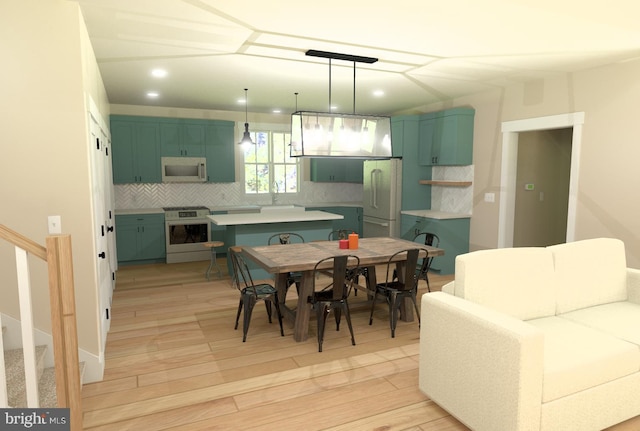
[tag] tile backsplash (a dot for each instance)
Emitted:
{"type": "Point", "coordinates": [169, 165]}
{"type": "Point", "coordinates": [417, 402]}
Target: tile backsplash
{"type": "Point", "coordinates": [134, 196]}
{"type": "Point", "coordinates": [449, 199]}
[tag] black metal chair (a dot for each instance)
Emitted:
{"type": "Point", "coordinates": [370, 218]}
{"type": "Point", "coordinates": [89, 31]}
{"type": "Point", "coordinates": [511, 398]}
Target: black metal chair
{"type": "Point", "coordinates": [431, 239]}
{"type": "Point", "coordinates": [334, 294]}
{"type": "Point", "coordinates": [251, 292]}
{"type": "Point", "coordinates": [396, 289]}
{"type": "Point", "coordinates": [340, 234]}
{"type": "Point", "coordinates": [344, 234]}
{"type": "Point", "coordinates": [288, 238]}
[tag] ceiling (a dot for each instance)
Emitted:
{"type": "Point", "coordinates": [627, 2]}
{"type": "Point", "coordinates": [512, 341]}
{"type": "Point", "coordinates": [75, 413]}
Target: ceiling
{"type": "Point", "coordinates": [428, 51]}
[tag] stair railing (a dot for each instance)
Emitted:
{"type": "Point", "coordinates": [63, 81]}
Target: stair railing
{"type": "Point", "coordinates": [59, 260]}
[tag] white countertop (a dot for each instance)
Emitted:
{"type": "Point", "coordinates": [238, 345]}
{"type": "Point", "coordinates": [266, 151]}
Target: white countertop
{"type": "Point", "coordinates": [139, 211]}
{"type": "Point", "coordinates": [439, 215]}
{"type": "Point", "coordinates": [279, 216]}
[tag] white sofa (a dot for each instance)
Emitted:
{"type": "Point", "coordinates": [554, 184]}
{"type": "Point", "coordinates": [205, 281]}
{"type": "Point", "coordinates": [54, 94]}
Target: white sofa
{"type": "Point", "coordinates": [535, 338]}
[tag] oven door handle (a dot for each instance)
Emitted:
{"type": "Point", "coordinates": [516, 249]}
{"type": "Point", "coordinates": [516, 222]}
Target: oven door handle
{"type": "Point", "coordinates": [188, 221]}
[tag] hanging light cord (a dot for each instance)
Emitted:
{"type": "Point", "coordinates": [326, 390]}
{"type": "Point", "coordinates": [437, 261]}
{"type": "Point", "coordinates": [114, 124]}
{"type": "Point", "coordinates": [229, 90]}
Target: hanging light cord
{"type": "Point", "coordinates": [354, 87]}
{"type": "Point", "coordinates": [246, 102]}
{"type": "Point", "coordinates": [329, 85]}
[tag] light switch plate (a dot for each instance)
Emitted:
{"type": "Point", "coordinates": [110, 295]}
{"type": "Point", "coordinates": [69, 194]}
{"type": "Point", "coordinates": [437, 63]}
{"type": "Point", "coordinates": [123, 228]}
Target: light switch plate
{"type": "Point", "coordinates": [490, 197]}
{"type": "Point", "coordinates": [55, 225]}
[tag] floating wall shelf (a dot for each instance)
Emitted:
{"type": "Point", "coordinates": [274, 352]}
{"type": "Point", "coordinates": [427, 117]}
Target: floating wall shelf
{"type": "Point", "coordinates": [445, 183]}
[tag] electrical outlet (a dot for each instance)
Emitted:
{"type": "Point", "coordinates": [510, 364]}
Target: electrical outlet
{"type": "Point", "coordinates": [490, 197]}
{"type": "Point", "coordinates": [55, 225]}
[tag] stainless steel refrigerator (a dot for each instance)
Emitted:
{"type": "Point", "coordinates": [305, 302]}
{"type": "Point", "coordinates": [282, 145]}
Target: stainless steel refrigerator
{"type": "Point", "coordinates": [382, 197]}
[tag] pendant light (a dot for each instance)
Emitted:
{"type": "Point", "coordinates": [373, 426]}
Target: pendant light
{"type": "Point", "coordinates": [348, 135]}
{"type": "Point", "coordinates": [246, 138]}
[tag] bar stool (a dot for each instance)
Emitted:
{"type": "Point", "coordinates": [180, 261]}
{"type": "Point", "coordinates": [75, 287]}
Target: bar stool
{"type": "Point", "coordinates": [214, 263]}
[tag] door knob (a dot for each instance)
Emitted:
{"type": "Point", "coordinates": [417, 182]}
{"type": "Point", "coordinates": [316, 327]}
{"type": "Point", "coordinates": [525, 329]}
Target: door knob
{"type": "Point", "coordinates": [102, 255]}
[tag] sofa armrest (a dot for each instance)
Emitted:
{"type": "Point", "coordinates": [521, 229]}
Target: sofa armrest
{"type": "Point", "coordinates": [482, 366]}
{"type": "Point", "coordinates": [449, 288]}
{"type": "Point", "coordinates": [633, 285]}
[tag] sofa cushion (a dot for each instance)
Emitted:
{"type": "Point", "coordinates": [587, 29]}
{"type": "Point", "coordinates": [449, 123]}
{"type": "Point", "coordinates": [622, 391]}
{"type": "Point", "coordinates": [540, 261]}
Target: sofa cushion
{"type": "Point", "coordinates": [577, 357]}
{"type": "Point", "coordinates": [516, 281]}
{"type": "Point", "coordinates": [620, 319]}
{"type": "Point", "coordinates": [589, 272]}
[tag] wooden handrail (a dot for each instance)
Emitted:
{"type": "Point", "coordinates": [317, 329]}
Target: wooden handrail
{"type": "Point", "coordinates": [59, 260]}
{"type": "Point", "coordinates": [23, 242]}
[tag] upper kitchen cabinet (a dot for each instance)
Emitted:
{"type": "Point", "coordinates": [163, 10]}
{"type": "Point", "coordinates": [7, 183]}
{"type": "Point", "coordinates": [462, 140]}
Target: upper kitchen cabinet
{"type": "Point", "coordinates": [405, 141]}
{"type": "Point", "coordinates": [182, 138]}
{"type": "Point", "coordinates": [336, 170]}
{"type": "Point", "coordinates": [220, 150]}
{"type": "Point", "coordinates": [446, 137]}
{"type": "Point", "coordinates": [136, 150]}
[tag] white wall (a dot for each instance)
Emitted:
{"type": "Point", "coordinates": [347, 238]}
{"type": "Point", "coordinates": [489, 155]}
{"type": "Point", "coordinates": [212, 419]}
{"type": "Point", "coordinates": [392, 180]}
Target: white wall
{"type": "Point", "coordinates": [44, 162]}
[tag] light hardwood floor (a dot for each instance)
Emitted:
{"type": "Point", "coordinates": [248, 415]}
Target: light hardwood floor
{"type": "Point", "coordinates": [174, 362]}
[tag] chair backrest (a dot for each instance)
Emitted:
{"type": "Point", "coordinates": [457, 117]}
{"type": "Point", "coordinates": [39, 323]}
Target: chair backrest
{"type": "Point", "coordinates": [340, 234]}
{"type": "Point", "coordinates": [285, 238]}
{"type": "Point", "coordinates": [241, 277]}
{"type": "Point", "coordinates": [410, 275]}
{"type": "Point", "coordinates": [427, 238]}
{"type": "Point", "coordinates": [343, 273]}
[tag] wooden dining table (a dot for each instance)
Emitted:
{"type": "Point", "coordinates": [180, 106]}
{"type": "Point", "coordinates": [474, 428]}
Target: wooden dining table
{"type": "Point", "coordinates": [281, 259]}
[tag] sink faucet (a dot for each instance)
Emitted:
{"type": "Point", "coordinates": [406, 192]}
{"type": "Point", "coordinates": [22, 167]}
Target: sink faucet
{"type": "Point", "coordinates": [274, 193]}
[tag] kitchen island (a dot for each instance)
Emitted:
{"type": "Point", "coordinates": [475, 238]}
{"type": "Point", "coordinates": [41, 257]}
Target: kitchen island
{"type": "Point", "coordinates": [254, 229]}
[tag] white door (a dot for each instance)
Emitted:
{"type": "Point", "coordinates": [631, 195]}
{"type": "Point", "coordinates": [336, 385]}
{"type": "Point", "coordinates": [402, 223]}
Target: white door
{"type": "Point", "coordinates": [100, 222]}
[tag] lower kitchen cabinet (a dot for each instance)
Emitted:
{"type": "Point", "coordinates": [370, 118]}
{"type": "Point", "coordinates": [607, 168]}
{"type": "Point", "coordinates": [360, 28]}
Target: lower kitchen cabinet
{"type": "Point", "coordinates": [453, 234]}
{"type": "Point", "coordinates": [219, 233]}
{"type": "Point", "coordinates": [352, 217]}
{"type": "Point", "coordinates": [140, 238]}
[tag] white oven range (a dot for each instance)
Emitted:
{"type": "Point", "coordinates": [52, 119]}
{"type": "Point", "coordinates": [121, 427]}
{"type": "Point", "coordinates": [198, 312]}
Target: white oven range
{"type": "Point", "coordinates": [187, 228]}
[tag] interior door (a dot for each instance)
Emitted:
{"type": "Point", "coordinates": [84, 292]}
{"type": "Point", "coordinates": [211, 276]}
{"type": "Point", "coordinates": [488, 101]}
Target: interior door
{"type": "Point", "coordinates": [101, 222]}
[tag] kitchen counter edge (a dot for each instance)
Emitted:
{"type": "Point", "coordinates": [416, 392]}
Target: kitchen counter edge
{"type": "Point", "coordinates": [438, 215]}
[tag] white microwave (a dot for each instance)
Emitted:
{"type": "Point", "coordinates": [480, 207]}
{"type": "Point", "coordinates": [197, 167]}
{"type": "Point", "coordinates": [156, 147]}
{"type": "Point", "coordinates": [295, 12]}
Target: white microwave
{"type": "Point", "coordinates": [184, 169]}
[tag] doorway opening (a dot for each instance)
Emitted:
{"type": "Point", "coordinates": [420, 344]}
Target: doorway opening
{"type": "Point", "coordinates": [508, 182]}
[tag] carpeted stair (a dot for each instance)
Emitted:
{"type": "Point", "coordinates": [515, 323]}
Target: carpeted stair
{"type": "Point", "coordinates": [16, 392]}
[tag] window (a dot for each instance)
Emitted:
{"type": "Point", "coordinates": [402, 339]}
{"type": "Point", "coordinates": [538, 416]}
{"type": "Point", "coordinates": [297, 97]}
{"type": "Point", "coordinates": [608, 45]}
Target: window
{"type": "Point", "coordinates": [268, 168]}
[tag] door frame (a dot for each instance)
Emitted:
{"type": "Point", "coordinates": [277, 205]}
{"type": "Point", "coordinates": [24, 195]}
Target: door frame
{"type": "Point", "coordinates": [510, 134]}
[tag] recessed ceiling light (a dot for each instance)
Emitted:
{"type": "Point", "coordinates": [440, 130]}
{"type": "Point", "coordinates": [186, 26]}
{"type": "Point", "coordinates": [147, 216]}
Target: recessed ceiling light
{"type": "Point", "coordinates": [333, 108]}
{"type": "Point", "coordinates": [159, 73]}
{"type": "Point", "coordinates": [153, 94]}
{"type": "Point", "coordinates": [276, 111]}
{"type": "Point", "coordinates": [242, 101]}
{"type": "Point", "coordinates": [378, 93]}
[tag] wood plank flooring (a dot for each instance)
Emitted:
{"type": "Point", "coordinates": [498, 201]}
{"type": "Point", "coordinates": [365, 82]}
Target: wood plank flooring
{"type": "Point", "coordinates": [174, 362]}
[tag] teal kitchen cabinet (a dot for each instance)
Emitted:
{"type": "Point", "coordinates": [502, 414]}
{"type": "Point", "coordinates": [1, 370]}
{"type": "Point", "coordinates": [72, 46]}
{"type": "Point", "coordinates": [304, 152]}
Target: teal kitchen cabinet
{"type": "Point", "coordinates": [446, 137]}
{"type": "Point", "coordinates": [140, 238]}
{"type": "Point", "coordinates": [453, 234]}
{"type": "Point", "coordinates": [219, 233]}
{"type": "Point", "coordinates": [336, 170]}
{"type": "Point", "coordinates": [136, 150]}
{"type": "Point", "coordinates": [352, 217]}
{"type": "Point", "coordinates": [182, 138]}
{"type": "Point", "coordinates": [220, 151]}
{"type": "Point", "coordinates": [405, 135]}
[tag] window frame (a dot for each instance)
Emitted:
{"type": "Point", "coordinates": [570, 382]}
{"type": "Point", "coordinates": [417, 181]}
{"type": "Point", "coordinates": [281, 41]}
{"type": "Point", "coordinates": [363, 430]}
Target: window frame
{"type": "Point", "coordinates": [272, 165]}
